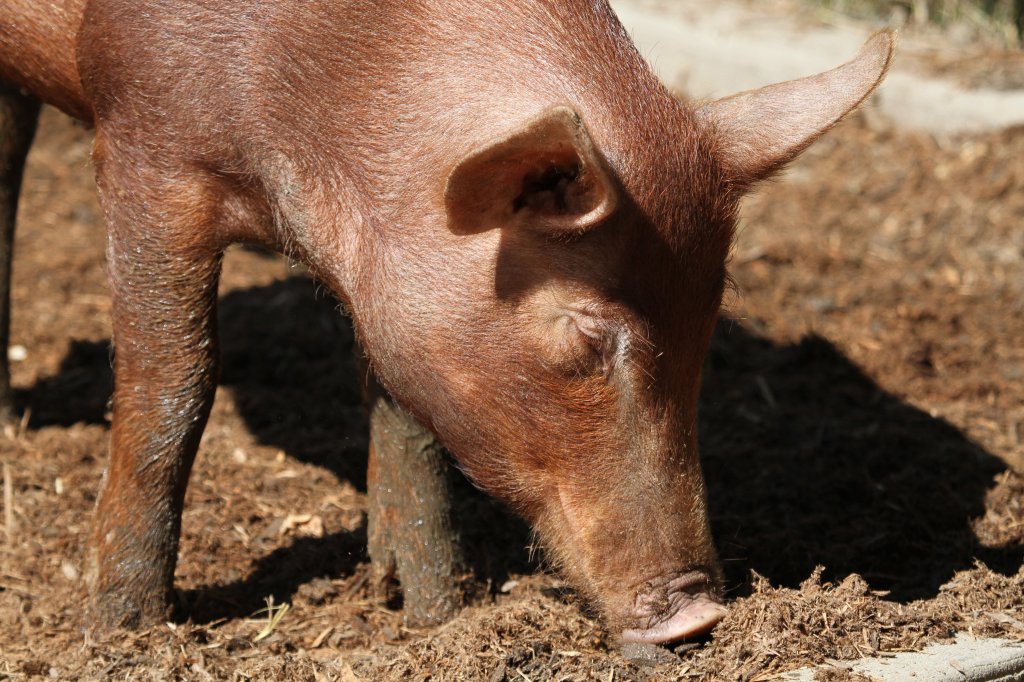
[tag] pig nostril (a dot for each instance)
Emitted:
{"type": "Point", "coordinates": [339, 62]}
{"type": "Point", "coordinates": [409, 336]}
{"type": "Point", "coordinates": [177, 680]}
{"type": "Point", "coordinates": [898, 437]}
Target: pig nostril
{"type": "Point", "coordinates": [695, 616]}
{"type": "Point", "coordinates": [674, 607]}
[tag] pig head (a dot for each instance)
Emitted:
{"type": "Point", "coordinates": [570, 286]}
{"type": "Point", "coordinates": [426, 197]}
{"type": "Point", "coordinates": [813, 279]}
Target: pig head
{"type": "Point", "coordinates": [542, 292]}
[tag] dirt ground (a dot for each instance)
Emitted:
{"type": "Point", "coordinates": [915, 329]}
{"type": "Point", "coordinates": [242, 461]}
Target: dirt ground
{"type": "Point", "coordinates": [861, 416]}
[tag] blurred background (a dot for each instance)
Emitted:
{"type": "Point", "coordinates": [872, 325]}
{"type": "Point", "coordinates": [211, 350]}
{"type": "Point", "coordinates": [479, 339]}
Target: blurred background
{"type": "Point", "coordinates": [999, 20]}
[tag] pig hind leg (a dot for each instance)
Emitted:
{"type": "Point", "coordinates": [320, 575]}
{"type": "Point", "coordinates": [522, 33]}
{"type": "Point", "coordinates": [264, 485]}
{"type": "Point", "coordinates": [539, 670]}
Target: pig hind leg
{"type": "Point", "coordinates": [164, 267]}
{"type": "Point", "coordinates": [18, 116]}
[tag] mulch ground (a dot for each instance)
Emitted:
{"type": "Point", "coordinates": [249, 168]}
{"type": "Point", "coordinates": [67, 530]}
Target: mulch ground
{"type": "Point", "coordinates": [862, 418]}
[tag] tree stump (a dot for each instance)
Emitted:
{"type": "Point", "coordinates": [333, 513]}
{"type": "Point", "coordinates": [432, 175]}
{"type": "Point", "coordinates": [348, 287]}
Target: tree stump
{"type": "Point", "coordinates": [411, 538]}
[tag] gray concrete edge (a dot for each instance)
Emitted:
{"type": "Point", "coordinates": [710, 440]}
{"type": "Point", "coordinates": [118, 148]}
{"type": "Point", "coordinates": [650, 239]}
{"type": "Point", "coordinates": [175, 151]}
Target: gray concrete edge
{"type": "Point", "coordinates": [966, 659]}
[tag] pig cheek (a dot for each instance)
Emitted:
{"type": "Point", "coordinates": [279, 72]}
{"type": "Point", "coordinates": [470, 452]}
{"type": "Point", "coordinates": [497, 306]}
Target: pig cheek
{"type": "Point", "coordinates": [475, 402]}
{"type": "Point", "coordinates": [582, 545]}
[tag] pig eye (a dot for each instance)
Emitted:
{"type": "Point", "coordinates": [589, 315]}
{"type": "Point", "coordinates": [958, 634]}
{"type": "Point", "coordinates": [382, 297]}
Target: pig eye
{"type": "Point", "coordinates": [588, 345]}
{"type": "Point", "coordinates": [593, 340]}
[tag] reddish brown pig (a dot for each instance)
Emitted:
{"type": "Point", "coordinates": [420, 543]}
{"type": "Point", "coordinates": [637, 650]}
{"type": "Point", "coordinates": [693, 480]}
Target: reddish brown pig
{"type": "Point", "coordinates": [529, 231]}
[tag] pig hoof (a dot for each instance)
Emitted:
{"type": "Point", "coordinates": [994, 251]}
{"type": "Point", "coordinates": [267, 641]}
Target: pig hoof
{"type": "Point", "coordinates": [113, 611]}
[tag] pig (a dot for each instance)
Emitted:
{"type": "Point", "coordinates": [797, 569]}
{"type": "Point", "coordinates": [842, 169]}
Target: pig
{"type": "Point", "coordinates": [529, 232]}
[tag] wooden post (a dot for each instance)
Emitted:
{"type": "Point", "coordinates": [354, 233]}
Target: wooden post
{"type": "Point", "coordinates": [410, 533]}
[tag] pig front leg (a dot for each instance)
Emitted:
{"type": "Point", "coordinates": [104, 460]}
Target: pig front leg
{"type": "Point", "coordinates": [411, 535]}
{"type": "Point", "coordinates": [18, 117]}
{"type": "Point", "coordinates": [164, 265]}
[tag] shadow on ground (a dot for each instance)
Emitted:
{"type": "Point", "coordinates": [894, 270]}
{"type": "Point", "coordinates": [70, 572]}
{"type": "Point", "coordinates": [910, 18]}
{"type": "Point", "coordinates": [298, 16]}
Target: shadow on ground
{"type": "Point", "coordinates": [303, 564]}
{"type": "Point", "coordinates": [78, 393]}
{"type": "Point", "coordinates": [288, 358]}
{"type": "Point", "coordinates": [807, 460]}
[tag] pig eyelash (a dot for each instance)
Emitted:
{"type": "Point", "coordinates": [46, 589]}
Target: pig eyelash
{"type": "Point", "coordinates": [608, 342]}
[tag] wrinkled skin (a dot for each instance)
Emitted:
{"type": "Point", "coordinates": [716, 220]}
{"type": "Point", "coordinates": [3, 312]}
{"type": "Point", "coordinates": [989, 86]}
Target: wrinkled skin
{"type": "Point", "coordinates": [529, 231]}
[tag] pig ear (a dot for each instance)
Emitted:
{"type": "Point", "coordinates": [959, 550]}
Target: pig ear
{"type": "Point", "coordinates": [546, 175]}
{"type": "Point", "coordinates": [762, 130]}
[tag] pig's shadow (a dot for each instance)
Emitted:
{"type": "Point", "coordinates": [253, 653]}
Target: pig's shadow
{"type": "Point", "coordinates": [807, 460]}
{"type": "Point", "coordinates": [78, 392]}
{"type": "Point", "coordinates": [287, 354]}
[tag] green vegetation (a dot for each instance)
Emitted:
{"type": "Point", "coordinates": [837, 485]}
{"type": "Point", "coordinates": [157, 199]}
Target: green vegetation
{"type": "Point", "coordinates": [1005, 17]}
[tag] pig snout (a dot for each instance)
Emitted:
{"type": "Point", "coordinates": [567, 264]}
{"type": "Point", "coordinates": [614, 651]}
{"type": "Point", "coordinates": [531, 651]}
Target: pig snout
{"type": "Point", "coordinates": [650, 566]}
{"type": "Point", "coordinates": [672, 609]}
